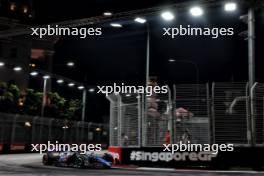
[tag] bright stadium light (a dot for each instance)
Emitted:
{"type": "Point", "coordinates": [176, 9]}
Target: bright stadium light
{"type": "Point", "coordinates": [46, 77]}
{"type": "Point", "coordinates": [168, 16]}
{"type": "Point", "coordinates": [71, 84]}
{"type": "Point", "coordinates": [230, 6]}
{"type": "Point", "coordinates": [80, 87]}
{"type": "Point", "coordinates": [196, 11]}
{"type": "Point", "coordinates": [116, 25]}
{"type": "Point", "coordinates": [98, 129]}
{"type": "Point", "coordinates": [17, 68]}
{"type": "Point", "coordinates": [107, 13]}
{"type": "Point", "coordinates": [27, 124]}
{"type": "Point", "coordinates": [70, 64]}
{"type": "Point", "coordinates": [65, 127]}
{"type": "Point", "coordinates": [60, 81]}
{"type": "Point", "coordinates": [34, 73]}
{"type": "Point", "coordinates": [140, 20]}
{"type": "Point", "coordinates": [2, 64]}
{"type": "Point", "coordinates": [91, 90]}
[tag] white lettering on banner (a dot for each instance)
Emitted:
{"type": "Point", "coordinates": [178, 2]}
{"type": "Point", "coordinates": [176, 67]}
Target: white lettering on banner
{"type": "Point", "coordinates": [167, 156]}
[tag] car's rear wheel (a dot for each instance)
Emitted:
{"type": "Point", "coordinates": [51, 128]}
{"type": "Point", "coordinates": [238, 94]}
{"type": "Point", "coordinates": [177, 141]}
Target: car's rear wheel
{"type": "Point", "coordinates": [79, 163]}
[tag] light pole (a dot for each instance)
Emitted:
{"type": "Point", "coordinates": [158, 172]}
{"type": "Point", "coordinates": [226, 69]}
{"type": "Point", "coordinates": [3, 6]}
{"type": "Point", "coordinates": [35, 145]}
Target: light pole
{"type": "Point", "coordinates": [44, 98]}
{"type": "Point", "coordinates": [84, 104]}
{"type": "Point", "coordinates": [147, 54]}
{"type": "Point", "coordinates": [251, 69]}
{"type": "Point", "coordinates": [143, 132]}
{"type": "Point", "coordinates": [250, 20]}
{"type": "Point", "coordinates": [167, 16]}
{"type": "Point", "coordinates": [251, 46]}
{"type": "Point", "coordinates": [142, 21]}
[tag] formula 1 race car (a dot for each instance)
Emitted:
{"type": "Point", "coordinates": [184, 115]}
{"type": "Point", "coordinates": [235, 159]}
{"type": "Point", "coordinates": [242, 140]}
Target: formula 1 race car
{"type": "Point", "coordinates": [75, 159]}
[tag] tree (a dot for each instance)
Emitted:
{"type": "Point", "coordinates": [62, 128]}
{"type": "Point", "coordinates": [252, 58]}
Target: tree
{"type": "Point", "coordinates": [33, 102]}
{"type": "Point", "coordinates": [9, 97]}
{"type": "Point", "coordinates": [55, 106]}
{"type": "Point", "coordinates": [73, 109]}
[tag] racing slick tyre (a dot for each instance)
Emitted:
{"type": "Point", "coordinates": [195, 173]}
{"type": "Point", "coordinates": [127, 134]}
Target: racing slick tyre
{"type": "Point", "coordinates": [98, 165]}
{"type": "Point", "coordinates": [79, 162]}
{"type": "Point", "coordinates": [46, 161]}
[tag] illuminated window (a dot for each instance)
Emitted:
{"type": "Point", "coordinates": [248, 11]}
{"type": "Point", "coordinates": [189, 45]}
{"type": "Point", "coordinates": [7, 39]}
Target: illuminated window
{"type": "Point", "coordinates": [25, 9]}
{"type": "Point", "coordinates": [12, 6]}
{"type": "Point", "coordinates": [37, 53]}
{"type": "Point", "coordinates": [32, 65]}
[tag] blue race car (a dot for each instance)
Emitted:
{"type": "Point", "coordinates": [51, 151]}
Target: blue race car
{"type": "Point", "coordinates": [75, 159]}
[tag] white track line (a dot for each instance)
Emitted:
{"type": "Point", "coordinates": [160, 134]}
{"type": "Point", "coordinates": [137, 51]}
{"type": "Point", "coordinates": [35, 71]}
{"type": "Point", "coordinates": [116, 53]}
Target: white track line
{"type": "Point", "coordinates": [207, 171]}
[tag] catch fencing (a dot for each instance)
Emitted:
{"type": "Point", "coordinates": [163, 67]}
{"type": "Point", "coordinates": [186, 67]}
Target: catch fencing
{"type": "Point", "coordinates": [20, 129]}
{"type": "Point", "coordinates": [125, 113]}
{"type": "Point", "coordinates": [204, 113]}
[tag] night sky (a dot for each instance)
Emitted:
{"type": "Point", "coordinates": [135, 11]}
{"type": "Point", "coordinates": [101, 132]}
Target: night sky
{"type": "Point", "coordinates": [119, 55]}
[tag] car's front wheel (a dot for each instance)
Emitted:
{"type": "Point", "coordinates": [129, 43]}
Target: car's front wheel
{"type": "Point", "coordinates": [98, 165]}
{"type": "Point", "coordinates": [45, 160]}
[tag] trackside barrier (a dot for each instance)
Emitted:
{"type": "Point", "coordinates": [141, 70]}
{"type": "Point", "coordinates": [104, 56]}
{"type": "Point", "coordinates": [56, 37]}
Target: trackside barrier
{"type": "Point", "coordinates": [17, 147]}
{"type": "Point", "coordinates": [17, 132]}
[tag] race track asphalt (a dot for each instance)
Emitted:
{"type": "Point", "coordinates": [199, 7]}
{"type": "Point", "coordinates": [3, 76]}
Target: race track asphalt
{"type": "Point", "coordinates": [30, 165]}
